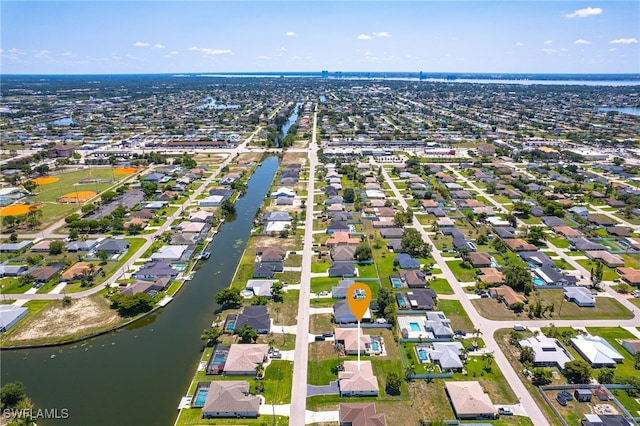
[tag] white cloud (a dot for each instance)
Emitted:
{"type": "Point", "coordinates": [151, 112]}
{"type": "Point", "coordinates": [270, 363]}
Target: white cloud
{"type": "Point", "coordinates": [624, 41]}
{"type": "Point", "coordinates": [174, 52]}
{"type": "Point", "coordinates": [382, 34]}
{"type": "Point", "coordinates": [581, 41]}
{"type": "Point", "coordinates": [140, 44]}
{"type": "Point", "coordinates": [158, 46]}
{"type": "Point", "coordinates": [519, 43]}
{"type": "Point", "coordinates": [263, 57]}
{"type": "Point", "coordinates": [548, 41]}
{"type": "Point", "coordinates": [290, 34]}
{"type": "Point", "coordinates": [613, 49]}
{"type": "Point", "coordinates": [40, 53]}
{"type": "Point", "coordinates": [364, 37]}
{"type": "Point", "coordinates": [564, 49]}
{"type": "Point", "coordinates": [67, 54]}
{"type": "Point", "coordinates": [208, 51]}
{"type": "Point", "coordinates": [548, 50]}
{"type": "Point", "coordinates": [583, 13]}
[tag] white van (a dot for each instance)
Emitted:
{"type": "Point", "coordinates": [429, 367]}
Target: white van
{"type": "Point", "coordinates": [519, 327]}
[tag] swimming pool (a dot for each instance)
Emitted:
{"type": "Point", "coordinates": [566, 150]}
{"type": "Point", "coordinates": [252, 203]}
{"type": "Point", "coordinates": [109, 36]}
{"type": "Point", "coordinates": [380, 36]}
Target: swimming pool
{"type": "Point", "coordinates": [375, 346]}
{"type": "Point", "coordinates": [414, 326]}
{"type": "Point", "coordinates": [201, 397]}
{"type": "Point", "coordinates": [539, 281]}
{"type": "Point", "coordinates": [396, 282]}
{"type": "Point", "coordinates": [494, 264]}
{"type": "Point", "coordinates": [246, 292]}
{"type": "Point", "coordinates": [230, 325]}
{"type": "Point", "coordinates": [422, 354]}
{"type": "Point", "coordinates": [179, 267]}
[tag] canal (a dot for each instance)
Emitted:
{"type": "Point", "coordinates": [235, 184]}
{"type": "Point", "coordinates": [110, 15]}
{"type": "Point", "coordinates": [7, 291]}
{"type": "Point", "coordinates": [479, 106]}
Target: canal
{"type": "Point", "coordinates": [290, 122]}
{"type": "Point", "coordinates": [136, 376]}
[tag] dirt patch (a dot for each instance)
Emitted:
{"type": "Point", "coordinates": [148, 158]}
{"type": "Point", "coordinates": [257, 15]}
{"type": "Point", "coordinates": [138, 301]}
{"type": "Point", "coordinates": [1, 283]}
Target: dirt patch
{"type": "Point", "coordinates": [45, 180]}
{"type": "Point", "coordinates": [56, 322]}
{"type": "Point", "coordinates": [321, 351]}
{"type": "Point", "coordinates": [249, 156]}
{"type": "Point", "coordinates": [295, 158]}
{"type": "Point", "coordinates": [77, 197]}
{"type": "Point", "coordinates": [18, 209]}
{"type": "Point", "coordinates": [125, 170]}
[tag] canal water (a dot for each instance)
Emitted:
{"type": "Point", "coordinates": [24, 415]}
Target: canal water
{"type": "Point", "coordinates": [290, 122]}
{"type": "Point", "coordinates": [137, 376]}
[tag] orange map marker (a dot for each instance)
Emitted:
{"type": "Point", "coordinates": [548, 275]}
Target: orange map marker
{"type": "Point", "coordinates": [358, 297]}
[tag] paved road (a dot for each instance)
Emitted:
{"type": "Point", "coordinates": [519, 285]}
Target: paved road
{"type": "Point", "coordinates": [150, 239]}
{"type": "Point", "coordinates": [299, 388]}
{"type": "Point", "coordinates": [486, 327]}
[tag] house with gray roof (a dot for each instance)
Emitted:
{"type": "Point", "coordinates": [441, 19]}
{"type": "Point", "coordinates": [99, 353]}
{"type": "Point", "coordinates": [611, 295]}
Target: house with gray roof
{"type": "Point", "coordinates": [342, 314]}
{"type": "Point", "coordinates": [405, 261]}
{"type": "Point", "coordinates": [155, 269]}
{"type": "Point", "coordinates": [10, 315]}
{"type": "Point", "coordinates": [170, 253]}
{"type": "Point", "coordinates": [267, 269]}
{"type": "Point", "coordinates": [342, 269]}
{"type": "Point", "coordinates": [340, 291]}
{"type": "Point", "coordinates": [113, 246]}
{"type": "Point", "coordinates": [230, 399]}
{"type": "Point", "coordinates": [552, 221]}
{"type": "Point", "coordinates": [12, 270]}
{"type": "Point", "coordinates": [261, 287]}
{"type": "Point", "coordinates": [596, 351]}
{"type": "Point", "coordinates": [11, 247]}
{"type": "Point", "coordinates": [448, 355]}
{"type": "Point", "coordinates": [338, 226]}
{"type": "Point", "coordinates": [256, 317]}
{"type": "Point", "coordinates": [582, 244]}
{"type": "Point", "coordinates": [548, 352]}
{"type": "Point", "coordinates": [87, 245]}
{"type": "Point", "coordinates": [343, 253]}
{"type": "Point", "coordinates": [581, 296]}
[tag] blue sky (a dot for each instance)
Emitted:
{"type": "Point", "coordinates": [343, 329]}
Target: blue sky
{"type": "Point", "coordinates": [80, 37]}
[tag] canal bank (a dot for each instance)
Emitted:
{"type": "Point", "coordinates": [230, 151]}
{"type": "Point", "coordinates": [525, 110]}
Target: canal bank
{"type": "Point", "coordinates": [137, 375]}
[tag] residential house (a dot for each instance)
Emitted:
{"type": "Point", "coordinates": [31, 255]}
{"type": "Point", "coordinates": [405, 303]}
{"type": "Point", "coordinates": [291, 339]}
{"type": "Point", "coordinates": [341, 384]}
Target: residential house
{"type": "Point", "coordinates": [79, 271]}
{"type": "Point", "coordinates": [155, 269]}
{"type": "Point", "coordinates": [508, 295]}
{"type": "Point", "coordinates": [338, 226]}
{"type": "Point", "coordinates": [41, 247]}
{"type": "Point", "coordinates": [360, 414]}
{"type": "Point", "coordinates": [76, 246]}
{"type": "Point", "coordinates": [536, 258]}
{"type": "Point", "coordinates": [10, 315]}
{"type": "Point", "coordinates": [170, 253]}
{"type": "Point", "coordinates": [343, 253]}
{"type": "Point", "coordinates": [270, 254]}
{"type": "Point", "coordinates": [479, 259]}
{"type": "Point", "coordinates": [342, 269]}
{"type": "Point", "coordinates": [567, 231]}
{"type": "Point", "coordinates": [340, 291]}
{"type": "Point", "coordinates": [491, 276]}
{"type": "Point", "coordinates": [582, 244]}
{"type": "Point", "coordinates": [11, 247]}
{"type": "Point", "coordinates": [517, 245]}
{"type": "Point", "coordinates": [243, 359]}
{"type": "Point", "coordinates": [631, 345]}
{"type": "Point", "coordinates": [201, 216]}
{"type": "Point", "coordinates": [140, 286]}
{"type": "Point", "coordinates": [113, 246]}
{"type": "Point", "coordinates": [629, 275]}
{"type": "Point", "coordinates": [342, 238]}
{"type": "Point", "coordinates": [469, 401]}
{"type": "Point", "coordinates": [261, 287]}
{"type": "Point", "coordinates": [231, 399]}
{"type": "Point", "coordinates": [421, 299]}
{"type": "Point", "coordinates": [267, 270]}
{"type": "Point", "coordinates": [44, 273]}
{"type": "Point", "coordinates": [580, 296]}
{"type": "Point", "coordinates": [342, 314]}
{"type": "Point", "coordinates": [596, 351]}
{"type": "Point", "coordinates": [433, 325]}
{"type": "Point", "coordinates": [548, 352]}
{"type": "Point", "coordinates": [153, 177]}
{"type": "Point", "coordinates": [404, 261]}
{"type": "Point", "coordinates": [256, 317]}
{"type": "Point", "coordinates": [349, 339]}
{"type": "Point", "coordinates": [448, 355]}
{"type": "Point", "coordinates": [12, 270]}
{"type": "Point", "coordinates": [391, 233]}
{"type": "Point", "coordinates": [357, 379]}
{"type": "Point", "coordinates": [283, 192]}
{"type": "Point", "coordinates": [600, 220]}
{"type": "Point", "coordinates": [413, 278]}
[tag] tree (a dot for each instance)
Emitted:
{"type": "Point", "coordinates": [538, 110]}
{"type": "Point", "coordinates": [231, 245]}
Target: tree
{"type": "Point", "coordinates": [618, 161]}
{"type": "Point", "coordinates": [514, 338]}
{"type": "Point", "coordinates": [108, 196]}
{"type": "Point", "coordinates": [577, 371]}
{"type": "Point", "coordinates": [247, 334]}
{"type": "Point", "coordinates": [259, 371]}
{"type": "Point", "coordinates": [131, 304]}
{"type": "Point", "coordinates": [276, 291]}
{"type": "Point", "coordinates": [596, 274]}
{"type": "Point", "coordinates": [42, 169]}
{"type": "Point", "coordinates": [13, 238]}
{"type": "Point", "coordinates": [12, 394]}
{"type": "Point", "coordinates": [399, 219]}
{"type": "Point", "coordinates": [56, 247]}
{"type": "Point", "coordinates": [386, 301]}
{"type": "Point", "coordinates": [541, 376]}
{"type": "Point", "coordinates": [9, 221]}
{"type": "Point", "coordinates": [259, 300]}
{"type": "Point", "coordinates": [393, 383]}
{"type": "Point", "coordinates": [149, 188]}
{"type": "Point", "coordinates": [527, 355]}
{"type": "Point", "coordinates": [227, 208]}
{"type": "Point", "coordinates": [228, 297]}
{"type": "Point", "coordinates": [29, 186]}
{"type": "Point", "coordinates": [513, 221]}
{"type": "Point", "coordinates": [349, 196]}
{"type": "Point", "coordinates": [519, 278]}
{"type": "Point", "coordinates": [521, 208]}
{"type": "Point", "coordinates": [211, 335]}
{"type": "Point", "coordinates": [363, 252]}
{"type": "Point", "coordinates": [605, 376]}
{"type": "Point", "coordinates": [636, 360]}
{"type": "Point", "coordinates": [535, 234]}
{"type": "Point", "coordinates": [482, 239]}
{"type": "Point", "coordinates": [412, 242]}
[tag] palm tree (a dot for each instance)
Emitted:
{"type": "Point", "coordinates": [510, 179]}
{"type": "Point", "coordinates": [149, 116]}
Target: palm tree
{"type": "Point", "coordinates": [259, 371]}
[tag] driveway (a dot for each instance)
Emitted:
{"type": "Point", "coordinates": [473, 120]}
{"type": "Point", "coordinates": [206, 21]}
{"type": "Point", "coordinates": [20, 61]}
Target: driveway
{"type": "Point", "coordinates": [330, 389]}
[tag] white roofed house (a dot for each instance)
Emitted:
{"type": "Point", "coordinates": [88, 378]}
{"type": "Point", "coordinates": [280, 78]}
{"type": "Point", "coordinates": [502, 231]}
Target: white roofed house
{"type": "Point", "coordinates": [170, 253]}
{"type": "Point", "coordinates": [244, 358]}
{"type": "Point", "coordinates": [597, 351]}
{"type": "Point", "coordinates": [469, 400]}
{"type": "Point", "coordinates": [357, 381]}
{"type": "Point", "coordinates": [548, 352]}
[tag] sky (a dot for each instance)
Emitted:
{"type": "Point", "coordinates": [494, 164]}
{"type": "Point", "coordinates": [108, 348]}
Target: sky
{"type": "Point", "coordinates": [109, 37]}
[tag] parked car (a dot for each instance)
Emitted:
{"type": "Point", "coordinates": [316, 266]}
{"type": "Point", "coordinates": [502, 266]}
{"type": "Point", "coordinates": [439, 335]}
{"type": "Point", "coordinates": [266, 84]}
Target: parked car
{"type": "Point", "coordinates": [460, 332]}
{"type": "Point", "coordinates": [327, 334]}
{"type": "Point", "coordinates": [320, 338]}
{"type": "Point", "coordinates": [503, 411]}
